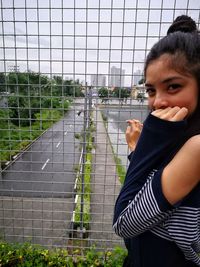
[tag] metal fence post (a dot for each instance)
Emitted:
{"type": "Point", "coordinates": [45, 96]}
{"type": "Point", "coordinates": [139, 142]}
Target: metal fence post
{"type": "Point", "coordinates": [85, 125]}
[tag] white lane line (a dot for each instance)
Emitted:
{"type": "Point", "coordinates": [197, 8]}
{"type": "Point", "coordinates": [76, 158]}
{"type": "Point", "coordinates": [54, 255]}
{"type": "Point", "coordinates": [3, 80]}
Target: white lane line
{"type": "Point", "coordinates": [66, 133]}
{"type": "Point", "coordinates": [45, 164]}
{"type": "Point", "coordinates": [58, 144]}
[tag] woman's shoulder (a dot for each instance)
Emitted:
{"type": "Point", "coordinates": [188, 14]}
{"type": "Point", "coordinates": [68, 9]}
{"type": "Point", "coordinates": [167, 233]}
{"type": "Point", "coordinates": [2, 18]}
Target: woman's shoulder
{"type": "Point", "coordinates": [193, 144]}
{"type": "Point", "coordinates": [188, 156]}
{"type": "Point", "coordinates": [191, 151]}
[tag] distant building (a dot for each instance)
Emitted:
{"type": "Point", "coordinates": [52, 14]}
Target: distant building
{"type": "Point", "coordinates": [116, 78]}
{"type": "Point", "coordinates": [134, 92]}
{"type": "Point", "coordinates": [138, 90]}
{"type": "Point", "coordinates": [137, 76]}
{"type": "Point", "coordinates": [98, 80]}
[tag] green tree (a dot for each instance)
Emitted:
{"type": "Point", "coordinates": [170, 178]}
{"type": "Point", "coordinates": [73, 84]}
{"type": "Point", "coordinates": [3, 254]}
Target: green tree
{"type": "Point", "coordinates": [103, 93]}
{"type": "Point", "coordinates": [141, 81]}
{"type": "Point", "coordinates": [72, 88]}
{"type": "Point", "coordinates": [39, 84]}
{"type": "Point", "coordinates": [58, 85]}
{"type": "Point", "coordinates": [19, 111]}
{"type": "Point", "coordinates": [121, 93]}
{"type": "Point", "coordinates": [18, 82]}
{"type": "Point", "coordinates": [58, 79]}
{"type": "Point", "coordinates": [50, 102]}
{"type": "Point", "coordinates": [2, 82]}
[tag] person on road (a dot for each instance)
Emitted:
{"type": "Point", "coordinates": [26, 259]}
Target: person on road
{"type": "Point", "coordinates": [157, 211]}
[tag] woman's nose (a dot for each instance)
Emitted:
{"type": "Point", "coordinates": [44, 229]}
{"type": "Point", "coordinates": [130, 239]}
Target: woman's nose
{"type": "Point", "coordinates": [160, 102]}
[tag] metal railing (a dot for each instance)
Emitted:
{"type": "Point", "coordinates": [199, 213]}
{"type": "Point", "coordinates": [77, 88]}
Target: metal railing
{"type": "Point", "coordinates": [70, 76]}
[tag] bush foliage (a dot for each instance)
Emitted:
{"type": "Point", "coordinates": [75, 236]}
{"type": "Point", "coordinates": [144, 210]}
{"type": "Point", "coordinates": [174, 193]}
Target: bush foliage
{"type": "Point", "coordinates": [28, 255]}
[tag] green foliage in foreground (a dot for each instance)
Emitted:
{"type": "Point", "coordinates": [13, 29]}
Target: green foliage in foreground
{"type": "Point", "coordinates": [28, 255]}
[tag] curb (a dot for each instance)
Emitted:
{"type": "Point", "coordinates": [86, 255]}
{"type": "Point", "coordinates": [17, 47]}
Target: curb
{"type": "Point", "coordinates": [76, 196]}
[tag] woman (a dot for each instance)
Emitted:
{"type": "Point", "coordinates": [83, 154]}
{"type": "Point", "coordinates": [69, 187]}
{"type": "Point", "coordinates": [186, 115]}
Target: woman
{"type": "Point", "coordinates": [158, 209]}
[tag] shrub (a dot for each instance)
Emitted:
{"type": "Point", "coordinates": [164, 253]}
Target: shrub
{"type": "Point", "coordinates": [28, 255]}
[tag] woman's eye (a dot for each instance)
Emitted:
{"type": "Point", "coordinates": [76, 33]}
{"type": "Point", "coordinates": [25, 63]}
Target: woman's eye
{"type": "Point", "coordinates": [174, 86]}
{"type": "Point", "coordinates": [150, 91]}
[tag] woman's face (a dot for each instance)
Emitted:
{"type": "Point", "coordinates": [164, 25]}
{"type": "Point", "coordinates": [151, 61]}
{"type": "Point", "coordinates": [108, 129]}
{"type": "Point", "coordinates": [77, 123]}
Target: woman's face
{"type": "Point", "coordinates": [168, 88]}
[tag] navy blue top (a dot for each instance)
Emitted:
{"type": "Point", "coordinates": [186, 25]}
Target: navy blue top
{"type": "Point", "coordinates": [155, 232]}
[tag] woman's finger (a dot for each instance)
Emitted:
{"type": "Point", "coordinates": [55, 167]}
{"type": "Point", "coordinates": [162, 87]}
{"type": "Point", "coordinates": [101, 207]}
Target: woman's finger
{"type": "Point", "coordinates": [160, 112]}
{"type": "Point", "coordinates": [180, 115]}
{"type": "Point", "coordinates": [170, 113]}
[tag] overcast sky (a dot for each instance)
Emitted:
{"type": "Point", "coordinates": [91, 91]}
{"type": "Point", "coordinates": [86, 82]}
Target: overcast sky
{"type": "Point", "coordinates": [78, 38]}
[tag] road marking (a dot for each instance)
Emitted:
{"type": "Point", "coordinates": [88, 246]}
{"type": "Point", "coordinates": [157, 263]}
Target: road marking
{"type": "Point", "coordinates": [58, 144]}
{"type": "Point", "coordinates": [45, 164]}
{"type": "Point", "coordinates": [66, 133]}
{"type": "Point", "coordinates": [70, 125]}
{"type": "Point", "coordinates": [76, 199]}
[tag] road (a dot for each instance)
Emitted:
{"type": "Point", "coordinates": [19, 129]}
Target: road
{"type": "Point", "coordinates": [47, 167]}
{"type": "Point", "coordinates": [36, 190]}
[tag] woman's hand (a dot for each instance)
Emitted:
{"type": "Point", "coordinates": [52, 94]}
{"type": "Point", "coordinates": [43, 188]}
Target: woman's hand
{"type": "Point", "coordinates": [133, 132]}
{"type": "Point", "coordinates": [171, 114]}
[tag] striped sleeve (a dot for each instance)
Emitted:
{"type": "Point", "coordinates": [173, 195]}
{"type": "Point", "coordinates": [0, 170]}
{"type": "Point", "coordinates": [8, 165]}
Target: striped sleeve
{"type": "Point", "coordinates": [184, 229]}
{"type": "Point", "coordinates": [142, 213]}
{"type": "Point", "coordinates": [149, 210]}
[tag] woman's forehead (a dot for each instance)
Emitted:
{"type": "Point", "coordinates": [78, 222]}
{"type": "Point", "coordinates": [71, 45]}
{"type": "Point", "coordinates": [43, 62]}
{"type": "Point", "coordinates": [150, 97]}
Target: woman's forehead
{"type": "Point", "coordinates": [168, 64]}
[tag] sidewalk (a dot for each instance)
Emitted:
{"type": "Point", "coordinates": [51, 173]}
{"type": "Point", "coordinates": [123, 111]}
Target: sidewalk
{"type": "Point", "coordinates": [105, 189]}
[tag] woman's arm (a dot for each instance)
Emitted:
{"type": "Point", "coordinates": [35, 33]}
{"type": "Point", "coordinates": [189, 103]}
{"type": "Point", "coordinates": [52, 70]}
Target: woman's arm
{"type": "Point", "coordinates": [182, 174]}
{"type": "Point", "coordinates": [163, 189]}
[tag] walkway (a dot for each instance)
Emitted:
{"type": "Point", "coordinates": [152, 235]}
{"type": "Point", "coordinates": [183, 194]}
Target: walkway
{"type": "Point", "coordinates": [105, 188]}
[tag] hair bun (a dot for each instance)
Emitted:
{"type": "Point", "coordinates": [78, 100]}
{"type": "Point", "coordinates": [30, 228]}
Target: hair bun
{"type": "Point", "coordinates": [184, 24]}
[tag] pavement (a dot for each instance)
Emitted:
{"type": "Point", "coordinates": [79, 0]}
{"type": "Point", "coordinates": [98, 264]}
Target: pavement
{"type": "Point", "coordinates": [105, 189]}
{"type": "Point", "coordinates": [37, 220]}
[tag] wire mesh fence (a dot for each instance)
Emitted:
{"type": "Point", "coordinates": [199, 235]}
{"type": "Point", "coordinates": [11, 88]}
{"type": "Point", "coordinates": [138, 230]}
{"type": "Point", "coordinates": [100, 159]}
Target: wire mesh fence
{"type": "Point", "coordinates": [71, 74]}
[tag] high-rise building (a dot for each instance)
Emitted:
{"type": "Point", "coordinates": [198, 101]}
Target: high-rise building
{"type": "Point", "coordinates": [98, 80]}
{"type": "Point", "coordinates": [116, 78]}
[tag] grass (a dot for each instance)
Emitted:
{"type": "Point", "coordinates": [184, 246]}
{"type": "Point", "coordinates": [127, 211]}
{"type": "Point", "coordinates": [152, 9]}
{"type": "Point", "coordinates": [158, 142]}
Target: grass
{"type": "Point", "coordinates": [86, 217]}
{"type": "Point", "coordinates": [121, 171]}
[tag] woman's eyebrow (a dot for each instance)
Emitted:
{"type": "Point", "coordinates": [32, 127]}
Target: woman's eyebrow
{"type": "Point", "coordinates": [170, 79]}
